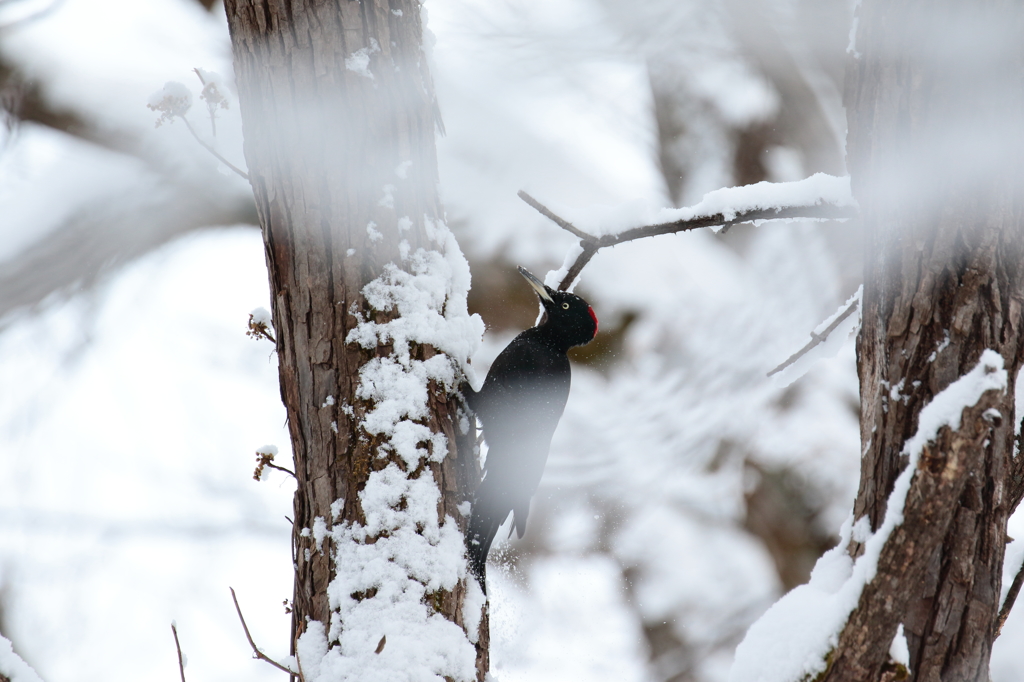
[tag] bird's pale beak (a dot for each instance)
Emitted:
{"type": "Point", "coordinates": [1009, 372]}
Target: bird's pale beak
{"type": "Point", "coordinates": [537, 285]}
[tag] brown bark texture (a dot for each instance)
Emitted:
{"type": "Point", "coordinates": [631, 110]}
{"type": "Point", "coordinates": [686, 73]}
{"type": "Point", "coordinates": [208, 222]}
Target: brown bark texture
{"type": "Point", "coordinates": [336, 100]}
{"type": "Point", "coordinates": [934, 97]}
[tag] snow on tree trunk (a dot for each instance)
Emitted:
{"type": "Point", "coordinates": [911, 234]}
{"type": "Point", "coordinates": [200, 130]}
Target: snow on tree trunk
{"type": "Point", "coordinates": [934, 104]}
{"type": "Point", "coordinates": [369, 305]}
{"type": "Point", "coordinates": [849, 599]}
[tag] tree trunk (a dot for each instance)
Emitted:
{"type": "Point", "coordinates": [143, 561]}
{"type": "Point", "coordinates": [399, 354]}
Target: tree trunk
{"type": "Point", "coordinates": [934, 104]}
{"type": "Point", "coordinates": [339, 117]}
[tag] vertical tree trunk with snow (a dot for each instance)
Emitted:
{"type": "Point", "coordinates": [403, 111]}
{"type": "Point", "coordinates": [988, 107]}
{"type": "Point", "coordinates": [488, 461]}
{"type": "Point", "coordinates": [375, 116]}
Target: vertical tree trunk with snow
{"type": "Point", "coordinates": [934, 102]}
{"type": "Point", "coordinates": [368, 292]}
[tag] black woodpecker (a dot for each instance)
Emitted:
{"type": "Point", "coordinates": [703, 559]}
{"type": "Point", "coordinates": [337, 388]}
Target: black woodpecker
{"type": "Point", "coordinates": [519, 406]}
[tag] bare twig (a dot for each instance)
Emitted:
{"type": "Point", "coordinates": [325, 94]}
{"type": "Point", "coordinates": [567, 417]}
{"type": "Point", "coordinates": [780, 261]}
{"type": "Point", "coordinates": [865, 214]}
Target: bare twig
{"type": "Point", "coordinates": [213, 116]}
{"type": "Point", "coordinates": [255, 650]}
{"type": "Point", "coordinates": [287, 471]}
{"type": "Point", "coordinates": [592, 244]}
{"type": "Point", "coordinates": [177, 645]}
{"type": "Point", "coordinates": [817, 338]}
{"type": "Point", "coordinates": [546, 212]}
{"type": "Point", "coordinates": [1011, 596]}
{"type": "Point", "coordinates": [213, 151]}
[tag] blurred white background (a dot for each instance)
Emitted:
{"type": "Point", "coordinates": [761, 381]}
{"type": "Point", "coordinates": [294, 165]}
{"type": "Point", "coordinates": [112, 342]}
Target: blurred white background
{"type": "Point", "coordinates": [685, 491]}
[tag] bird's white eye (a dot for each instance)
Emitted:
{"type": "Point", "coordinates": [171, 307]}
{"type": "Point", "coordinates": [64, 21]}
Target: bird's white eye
{"type": "Point", "coordinates": [565, 306]}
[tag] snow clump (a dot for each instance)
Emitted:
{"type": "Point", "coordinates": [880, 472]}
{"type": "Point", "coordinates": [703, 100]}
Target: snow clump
{"type": "Point", "coordinates": [261, 316]}
{"type": "Point", "coordinates": [359, 61]}
{"type": "Point", "coordinates": [173, 100]}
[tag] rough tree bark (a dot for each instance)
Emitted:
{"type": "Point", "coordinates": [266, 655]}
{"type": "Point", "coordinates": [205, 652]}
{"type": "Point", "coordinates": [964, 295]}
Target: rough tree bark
{"type": "Point", "coordinates": [934, 102]}
{"type": "Point", "coordinates": [339, 118]}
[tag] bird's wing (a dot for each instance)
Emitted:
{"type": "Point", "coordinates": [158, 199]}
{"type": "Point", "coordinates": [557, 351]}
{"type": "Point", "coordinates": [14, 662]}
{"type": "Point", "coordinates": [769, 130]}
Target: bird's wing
{"type": "Point", "coordinates": [525, 381]}
{"type": "Point", "coordinates": [520, 404]}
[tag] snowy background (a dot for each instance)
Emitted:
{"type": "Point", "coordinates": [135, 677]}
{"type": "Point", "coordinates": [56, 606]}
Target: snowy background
{"type": "Point", "coordinates": [685, 491]}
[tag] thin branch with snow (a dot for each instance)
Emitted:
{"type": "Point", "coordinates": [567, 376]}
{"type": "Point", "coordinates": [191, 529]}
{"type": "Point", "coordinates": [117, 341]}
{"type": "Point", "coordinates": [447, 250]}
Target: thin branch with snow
{"type": "Point", "coordinates": [174, 101]}
{"type": "Point", "coordinates": [255, 649]}
{"type": "Point", "coordinates": [817, 339]}
{"type": "Point", "coordinates": [260, 324]}
{"type": "Point", "coordinates": [806, 208]}
{"type": "Point", "coordinates": [265, 458]}
{"type": "Point", "coordinates": [236, 169]}
{"type": "Point", "coordinates": [212, 94]}
{"type": "Point", "coordinates": [177, 645]}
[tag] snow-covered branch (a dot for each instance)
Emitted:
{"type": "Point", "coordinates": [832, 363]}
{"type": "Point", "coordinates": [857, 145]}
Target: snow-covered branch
{"type": "Point", "coordinates": [819, 197]}
{"type": "Point", "coordinates": [177, 646]}
{"type": "Point", "coordinates": [820, 337]}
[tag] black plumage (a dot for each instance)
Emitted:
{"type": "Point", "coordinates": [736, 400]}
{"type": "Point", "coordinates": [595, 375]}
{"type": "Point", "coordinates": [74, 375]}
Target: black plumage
{"type": "Point", "coordinates": [519, 406]}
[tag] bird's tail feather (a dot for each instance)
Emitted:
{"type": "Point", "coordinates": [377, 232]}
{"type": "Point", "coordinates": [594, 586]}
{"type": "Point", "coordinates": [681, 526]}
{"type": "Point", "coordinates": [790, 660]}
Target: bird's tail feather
{"type": "Point", "coordinates": [483, 526]}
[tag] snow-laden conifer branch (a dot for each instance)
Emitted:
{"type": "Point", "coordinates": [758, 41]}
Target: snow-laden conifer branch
{"type": "Point", "coordinates": [819, 197]}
